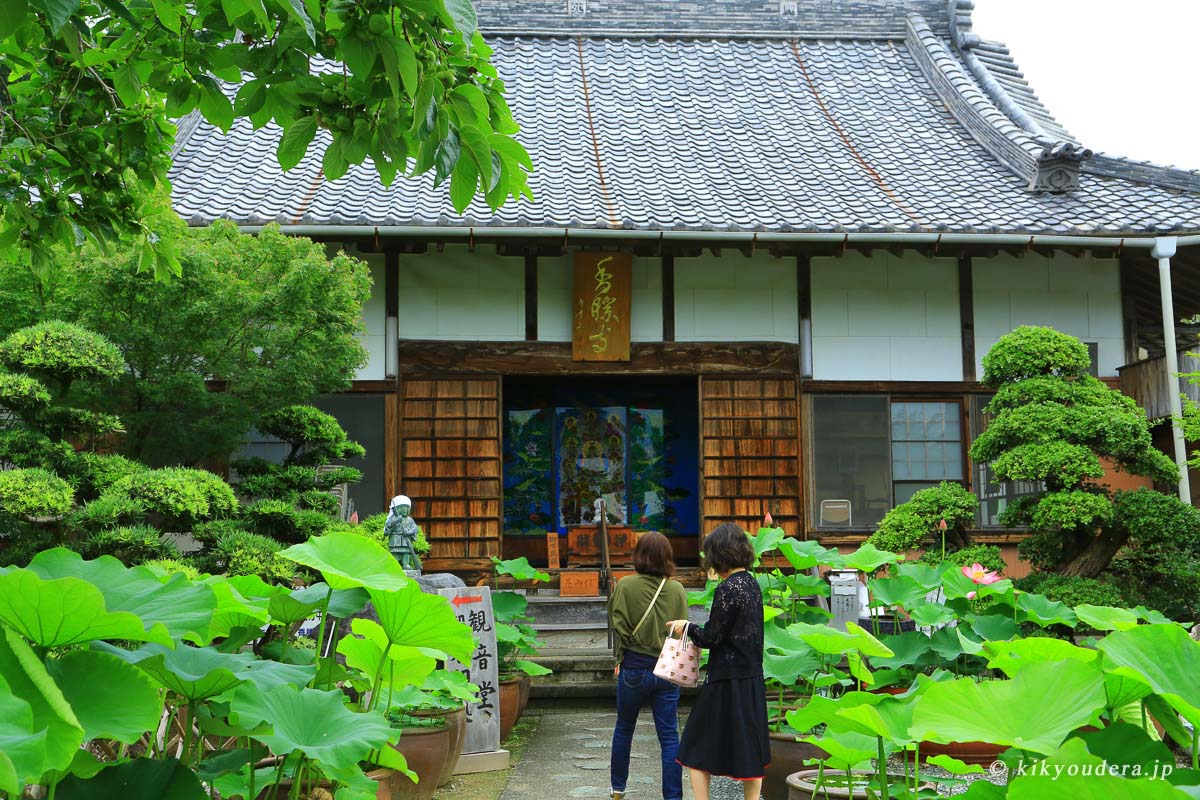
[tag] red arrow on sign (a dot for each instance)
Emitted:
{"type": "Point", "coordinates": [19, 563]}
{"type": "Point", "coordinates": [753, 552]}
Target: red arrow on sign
{"type": "Point", "coordinates": [462, 601]}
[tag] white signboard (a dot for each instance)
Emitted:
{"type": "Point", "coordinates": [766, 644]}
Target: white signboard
{"type": "Point", "coordinates": [473, 606]}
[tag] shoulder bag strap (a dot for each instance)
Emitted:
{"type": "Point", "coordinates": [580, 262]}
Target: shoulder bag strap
{"type": "Point", "coordinates": [649, 608]}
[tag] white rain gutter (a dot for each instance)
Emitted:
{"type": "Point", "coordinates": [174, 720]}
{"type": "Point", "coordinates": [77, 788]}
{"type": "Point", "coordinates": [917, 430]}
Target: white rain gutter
{"type": "Point", "coordinates": [1162, 248]}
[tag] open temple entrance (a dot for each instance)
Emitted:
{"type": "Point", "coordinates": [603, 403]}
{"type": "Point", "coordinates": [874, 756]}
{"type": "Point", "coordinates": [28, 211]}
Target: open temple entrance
{"type": "Point", "coordinates": [567, 441]}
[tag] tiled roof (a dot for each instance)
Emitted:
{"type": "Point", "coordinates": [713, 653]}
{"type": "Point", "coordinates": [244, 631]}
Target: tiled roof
{"type": "Point", "coordinates": [886, 132]}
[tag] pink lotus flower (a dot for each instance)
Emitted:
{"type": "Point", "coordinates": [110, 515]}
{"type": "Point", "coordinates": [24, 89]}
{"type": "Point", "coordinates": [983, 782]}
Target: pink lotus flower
{"type": "Point", "coordinates": [981, 576]}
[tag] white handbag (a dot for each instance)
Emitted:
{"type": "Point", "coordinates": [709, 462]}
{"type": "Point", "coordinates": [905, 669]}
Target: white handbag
{"type": "Point", "coordinates": [679, 661]}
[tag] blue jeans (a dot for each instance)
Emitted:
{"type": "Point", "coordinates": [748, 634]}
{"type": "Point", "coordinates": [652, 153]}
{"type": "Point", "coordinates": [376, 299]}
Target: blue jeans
{"type": "Point", "coordinates": [637, 687]}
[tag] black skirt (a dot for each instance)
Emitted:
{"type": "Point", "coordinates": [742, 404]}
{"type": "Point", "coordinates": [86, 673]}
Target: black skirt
{"type": "Point", "coordinates": [727, 733]}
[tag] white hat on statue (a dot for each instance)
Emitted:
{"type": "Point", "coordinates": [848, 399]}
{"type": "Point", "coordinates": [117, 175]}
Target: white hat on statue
{"type": "Point", "coordinates": [400, 500]}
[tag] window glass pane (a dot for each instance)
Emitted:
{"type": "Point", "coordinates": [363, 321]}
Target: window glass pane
{"type": "Point", "coordinates": [851, 460]}
{"type": "Point", "coordinates": [928, 445]}
{"type": "Point", "coordinates": [361, 415]}
{"type": "Point", "coordinates": [994, 495]}
{"type": "Point", "coordinates": [905, 491]}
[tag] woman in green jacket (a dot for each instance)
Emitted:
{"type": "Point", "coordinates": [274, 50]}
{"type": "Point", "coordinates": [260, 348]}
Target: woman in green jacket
{"type": "Point", "coordinates": [638, 611]}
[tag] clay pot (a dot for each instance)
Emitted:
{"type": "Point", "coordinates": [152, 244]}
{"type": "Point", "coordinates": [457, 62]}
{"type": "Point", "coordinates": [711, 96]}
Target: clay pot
{"type": "Point", "coordinates": [382, 777]}
{"type": "Point", "coordinates": [802, 786]}
{"type": "Point", "coordinates": [456, 721]}
{"type": "Point", "coordinates": [787, 756]}
{"type": "Point", "coordinates": [426, 749]}
{"type": "Point", "coordinates": [526, 683]}
{"type": "Point", "coordinates": [981, 753]}
{"type": "Point", "coordinates": [510, 705]}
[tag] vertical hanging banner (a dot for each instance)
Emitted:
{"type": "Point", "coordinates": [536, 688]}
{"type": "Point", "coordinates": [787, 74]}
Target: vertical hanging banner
{"type": "Point", "coordinates": [603, 296]}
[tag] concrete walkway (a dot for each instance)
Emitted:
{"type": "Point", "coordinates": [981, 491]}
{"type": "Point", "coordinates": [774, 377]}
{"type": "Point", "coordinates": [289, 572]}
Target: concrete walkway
{"type": "Point", "coordinates": [569, 757]}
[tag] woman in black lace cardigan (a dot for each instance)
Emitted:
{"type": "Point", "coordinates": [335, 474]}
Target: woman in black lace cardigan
{"type": "Point", "coordinates": [727, 732]}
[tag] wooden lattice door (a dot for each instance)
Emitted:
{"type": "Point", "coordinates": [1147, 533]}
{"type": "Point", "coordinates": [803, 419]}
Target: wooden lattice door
{"type": "Point", "coordinates": [750, 444]}
{"type": "Point", "coordinates": [450, 465]}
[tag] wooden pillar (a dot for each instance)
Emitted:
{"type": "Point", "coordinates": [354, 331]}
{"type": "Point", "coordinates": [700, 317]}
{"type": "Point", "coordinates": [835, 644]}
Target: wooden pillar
{"type": "Point", "coordinates": [392, 445]}
{"type": "Point", "coordinates": [1129, 315]}
{"type": "Point", "coordinates": [531, 298]}
{"type": "Point", "coordinates": [966, 310]}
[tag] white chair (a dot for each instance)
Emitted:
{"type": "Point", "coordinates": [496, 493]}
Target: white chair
{"type": "Point", "coordinates": [836, 514]}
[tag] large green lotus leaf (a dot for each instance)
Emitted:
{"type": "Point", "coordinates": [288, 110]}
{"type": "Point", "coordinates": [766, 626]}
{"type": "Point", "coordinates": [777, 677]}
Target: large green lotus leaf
{"type": "Point", "coordinates": [909, 649]}
{"type": "Point", "coordinates": [250, 587]}
{"type": "Point", "coordinates": [139, 779]}
{"type": "Point", "coordinates": [930, 577]}
{"type": "Point", "coordinates": [1010, 657]}
{"type": "Point", "coordinates": [847, 750]}
{"type": "Point", "coordinates": [509, 606]}
{"type": "Point", "coordinates": [314, 722]}
{"type": "Point", "coordinates": [1042, 611]}
{"type": "Point", "coordinates": [269, 674]}
{"type": "Point", "coordinates": [193, 673]}
{"type": "Point", "coordinates": [1106, 618]}
{"type": "Point", "coordinates": [347, 560]}
{"type": "Point", "coordinates": [1165, 657]}
{"type": "Point", "coordinates": [1125, 745]}
{"type": "Point", "coordinates": [405, 666]}
{"type": "Point", "coordinates": [831, 641]}
{"type": "Point", "coordinates": [767, 540]}
{"type": "Point", "coordinates": [22, 749]}
{"type": "Point", "coordinates": [789, 668]}
{"type": "Point", "coordinates": [346, 603]}
{"type": "Point", "coordinates": [111, 698]}
{"type": "Point", "coordinates": [869, 558]}
{"type": "Point", "coordinates": [1035, 711]}
{"type": "Point", "coordinates": [950, 643]}
{"type": "Point", "coordinates": [1152, 616]}
{"type": "Point", "coordinates": [182, 607]}
{"type": "Point", "coordinates": [995, 627]}
{"type": "Point", "coordinates": [412, 617]}
{"type": "Point", "coordinates": [902, 591]}
{"type": "Point", "coordinates": [778, 640]}
{"type": "Point", "coordinates": [26, 679]}
{"type": "Point", "coordinates": [819, 709]}
{"type": "Point", "coordinates": [1074, 773]}
{"type": "Point", "coordinates": [809, 553]}
{"type": "Point", "coordinates": [1125, 689]}
{"type": "Point", "coordinates": [889, 720]}
{"type": "Point", "coordinates": [957, 585]}
{"type": "Point", "coordinates": [931, 615]}
{"type": "Point", "coordinates": [954, 766]}
{"type": "Point", "coordinates": [66, 611]}
{"type": "Point", "coordinates": [298, 605]}
{"type": "Point", "coordinates": [234, 610]}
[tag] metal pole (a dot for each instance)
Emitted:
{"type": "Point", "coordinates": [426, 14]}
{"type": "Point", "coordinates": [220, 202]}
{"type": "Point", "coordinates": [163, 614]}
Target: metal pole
{"type": "Point", "coordinates": [1164, 249]}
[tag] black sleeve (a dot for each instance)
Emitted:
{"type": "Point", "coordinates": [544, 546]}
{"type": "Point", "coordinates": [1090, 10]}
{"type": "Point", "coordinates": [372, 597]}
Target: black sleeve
{"type": "Point", "coordinates": [723, 616]}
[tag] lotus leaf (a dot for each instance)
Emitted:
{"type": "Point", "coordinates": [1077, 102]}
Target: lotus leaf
{"type": "Point", "coordinates": [1106, 618]}
{"type": "Point", "coordinates": [26, 679]}
{"type": "Point", "coordinates": [22, 748]}
{"type": "Point", "coordinates": [508, 606]}
{"type": "Point", "coordinates": [1125, 745]}
{"type": "Point", "coordinates": [889, 720]}
{"type": "Point", "coordinates": [909, 649]}
{"type": "Point", "coordinates": [345, 603]}
{"type": "Point", "coordinates": [1075, 773]}
{"type": "Point", "coordinates": [954, 766]}
{"type": "Point", "coordinates": [519, 569]}
{"type": "Point", "coordinates": [957, 585]}
{"type": "Point", "coordinates": [995, 627]}
{"type": "Point", "coordinates": [182, 607]}
{"type": "Point", "coordinates": [111, 698]}
{"type": "Point", "coordinates": [951, 643]}
{"type": "Point", "coordinates": [404, 666]}
{"type": "Point", "coordinates": [809, 553]}
{"type": "Point", "coordinates": [902, 591]}
{"type": "Point", "coordinates": [65, 611]}
{"type": "Point", "coordinates": [193, 673]}
{"type": "Point", "coordinates": [235, 611]}
{"type": "Point", "coordinates": [1034, 711]}
{"type": "Point", "coordinates": [767, 540]}
{"type": "Point", "coordinates": [1043, 611]}
{"type": "Point", "coordinates": [1165, 657]}
{"type": "Point", "coordinates": [928, 576]}
{"type": "Point", "coordinates": [347, 561]}
{"type": "Point", "coordinates": [869, 558]}
{"type": "Point", "coordinates": [804, 585]}
{"type": "Point", "coordinates": [411, 617]}
{"type": "Point", "coordinates": [787, 669]}
{"type": "Point", "coordinates": [316, 723]}
{"type": "Point", "coordinates": [1010, 657]}
{"type": "Point", "coordinates": [931, 615]}
{"type": "Point", "coordinates": [847, 750]}
{"type": "Point", "coordinates": [139, 779]}
{"type": "Point", "coordinates": [531, 668]}
{"type": "Point", "coordinates": [819, 709]}
{"type": "Point", "coordinates": [831, 641]}
{"type": "Point", "coordinates": [298, 605]}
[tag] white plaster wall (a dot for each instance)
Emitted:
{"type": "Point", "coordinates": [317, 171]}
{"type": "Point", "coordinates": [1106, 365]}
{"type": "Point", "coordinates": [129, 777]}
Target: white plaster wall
{"type": "Point", "coordinates": [555, 276]}
{"type": "Point", "coordinates": [732, 298]}
{"type": "Point", "coordinates": [1079, 296]}
{"type": "Point", "coordinates": [373, 315]}
{"type": "Point", "coordinates": [462, 295]}
{"type": "Point", "coordinates": [885, 317]}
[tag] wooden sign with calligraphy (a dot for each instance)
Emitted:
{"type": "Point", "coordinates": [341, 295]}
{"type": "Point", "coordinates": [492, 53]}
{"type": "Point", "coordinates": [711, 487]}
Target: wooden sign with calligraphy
{"type": "Point", "coordinates": [473, 606]}
{"type": "Point", "coordinates": [602, 299]}
{"type": "Point", "coordinates": [552, 553]}
{"type": "Point", "coordinates": [579, 583]}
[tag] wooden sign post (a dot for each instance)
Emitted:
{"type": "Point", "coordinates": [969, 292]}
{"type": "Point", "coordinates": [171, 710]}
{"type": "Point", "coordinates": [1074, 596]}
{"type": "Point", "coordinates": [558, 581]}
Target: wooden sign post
{"type": "Point", "coordinates": [481, 751]}
{"type": "Point", "coordinates": [552, 555]}
{"type": "Point", "coordinates": [603, 297]}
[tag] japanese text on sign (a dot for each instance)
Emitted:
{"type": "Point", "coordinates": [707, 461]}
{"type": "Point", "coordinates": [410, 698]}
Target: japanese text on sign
{"type": "Point", "coordinates": [473, 607]}
{"type": "Point", "coordinates": [603, 286]}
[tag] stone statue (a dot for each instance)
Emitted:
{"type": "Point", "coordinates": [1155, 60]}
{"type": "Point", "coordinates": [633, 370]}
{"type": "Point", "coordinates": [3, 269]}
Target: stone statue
{"type": "Point", "coordinates": [401, 530]}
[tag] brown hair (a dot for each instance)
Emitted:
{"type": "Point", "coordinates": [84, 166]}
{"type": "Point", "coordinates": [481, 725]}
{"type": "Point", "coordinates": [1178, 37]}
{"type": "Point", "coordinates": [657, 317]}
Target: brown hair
{"type": "Point", "coordinates": [652, 555]}
{"type": "Point", "coordinates": [727, 548]}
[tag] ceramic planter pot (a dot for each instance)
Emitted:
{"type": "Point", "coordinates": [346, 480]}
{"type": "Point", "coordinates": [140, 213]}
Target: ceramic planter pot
{"type": "Point", "coordinates": [803, 786]}
{"type": "Point", "coordinates": [456, 721]}
{"type": "Point", "coordinates": [787, 756]}
{"type": "Point", "coordinates": [981, 753]}
{"type": "Point", "coordinates": [526, 682]}
{"type": "Point", "coordinates": [510, 705]}
{"type": "Point", "coordinates": [426, 748]}
{"type": "Point", "coordinates": [382, 777]}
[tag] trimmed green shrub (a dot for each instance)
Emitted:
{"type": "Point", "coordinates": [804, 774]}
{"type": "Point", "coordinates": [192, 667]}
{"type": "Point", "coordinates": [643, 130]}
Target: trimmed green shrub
{"type": "Point", "coordinates": [172, 566]}
{"type": "Point", "coordinates": [315, 437]}
{"type": "Point", "coordinates": [1073, 591]}
{"type": "Point", "coordinates": [61, 352]}
{"type": "Point", "coordinates": [34, 493]}
{"type": "Point", "coordinates": [1160, 567]}
{"type": "Point", "coordinates": [243, 553]}
{"type": "Point", "coordinates": [209, 531]}
{"type": "Point", "coordinates": [22, 393]}
{"type": "Point", "coordinates": [92, 473]}
{"type": "Point", "coordinates": [986, 555]}
{"type": "Point", "coordinates": [109, 510]}
{"type": "Point", "coordinates": [182, 496]}
{"type": "Point", "coordinates": [319, 500]}
{"type": "Point", "coordinates": [131, 544]}
{"type": "Point", "coordinates": [916, 524]}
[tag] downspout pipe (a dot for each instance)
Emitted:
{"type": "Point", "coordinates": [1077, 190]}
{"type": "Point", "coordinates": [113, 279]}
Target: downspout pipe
{"type": "Point", "coordinates": [1164, 250]}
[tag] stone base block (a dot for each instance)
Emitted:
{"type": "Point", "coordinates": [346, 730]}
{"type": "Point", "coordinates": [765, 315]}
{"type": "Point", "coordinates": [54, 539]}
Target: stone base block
{"type": "Point", "coordinates": [469, 763]}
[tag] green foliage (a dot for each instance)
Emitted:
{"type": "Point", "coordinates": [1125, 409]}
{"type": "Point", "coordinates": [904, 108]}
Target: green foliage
{"type": "Point", "coordinates": [34, 493]}
{"type": "Point", "coordinates": [1072, 591]}
{"type": "Point", "coordinates": [181, 495]}
{"type": "Point", "coordinates": [319, 501]}
{"type": "Point", "coordinates": [986, 555]}
{"type": "Point", "coordinates": [1053, 424]}
{"type": "Point", "coordinates": [315, 437]}
{"type": "Point", "coordinates": [23, 394]}
{"type": "Point", "coordinates": [172, 566]}
{"type": "Point", "coordinates": [132, 545]}
{"type": "Point", "coordinates": [91, 87]}
{"type": "Point", "coordinates": [916, 523]}
{"type": "Point", "coordinates": [372, 528]}
{"type": "Point", "coordinates": [283, 522]}
{"type": "Point", "coordinates": [1160, 567]}
{"type": "Point", "coordinates": [92, 473]}
{"type": "Point", "coordinates": [107, 511]}
{"type": "Point", "coordinates": [60, 353]}
{"type": "Point", "coordinates": [239, 552]}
